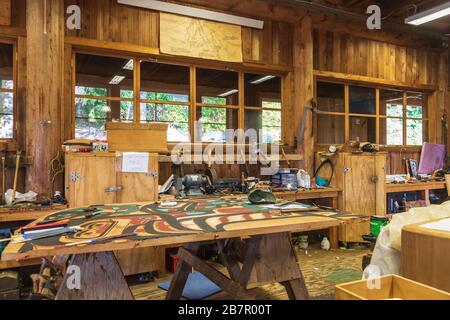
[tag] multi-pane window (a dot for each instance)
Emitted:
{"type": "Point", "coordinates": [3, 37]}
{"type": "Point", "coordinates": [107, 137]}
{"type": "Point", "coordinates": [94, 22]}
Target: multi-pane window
{"type": "Point", "coordinates": [199, 104]}
{"type": "Point", "coordinates": [104, 93]}
{"type": "Point", "coordinates": [165, 97]}
{"type": "Point", "coordinates": [6, 91]}
{"type": "Point", "coordinates": [217, 105]}
{"type": "Point", "coordinates": [368, 114]}
{"type": "Point", "coordinates": [263, 106]}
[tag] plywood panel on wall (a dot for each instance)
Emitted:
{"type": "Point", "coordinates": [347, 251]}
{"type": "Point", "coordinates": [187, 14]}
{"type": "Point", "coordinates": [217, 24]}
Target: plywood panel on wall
{"type": "Point", "coordinates": [5, 12]}
{"type": "Point", "coordinates": [344, 53]}
{"type": "Point", "coordinates": [198, 38]}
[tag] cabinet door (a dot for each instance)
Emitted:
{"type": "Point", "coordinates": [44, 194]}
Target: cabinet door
{"type": "Point", "coordinates": [139, 187]}
{"type": "Point", "coordinates": [359, 184]}
{"type": "Point", "coordinates": [91, 179]}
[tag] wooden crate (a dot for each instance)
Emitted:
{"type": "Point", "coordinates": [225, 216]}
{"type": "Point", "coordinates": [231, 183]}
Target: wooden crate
{"type": "Point", "coordinates": [391, 288]}
{"type": "Point", "coordinates": [425, 256]}
{"type": "Point", "coordinates": [138, 137]}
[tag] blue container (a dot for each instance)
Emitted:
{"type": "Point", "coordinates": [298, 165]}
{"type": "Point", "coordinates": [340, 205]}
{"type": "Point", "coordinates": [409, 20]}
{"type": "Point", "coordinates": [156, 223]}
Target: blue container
{"type": "Point", "coordinates": [4, 234]}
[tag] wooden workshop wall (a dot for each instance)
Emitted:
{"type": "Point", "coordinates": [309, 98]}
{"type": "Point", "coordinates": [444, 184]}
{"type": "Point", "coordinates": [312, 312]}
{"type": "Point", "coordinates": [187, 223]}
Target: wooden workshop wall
{"type": "Point", "coordinates": [349, 58]}
{"type": "Point", "coordinates": [289, 41]}
{"type": "Point", "coordinates": [108, 21]}
{"type": "Point", "coordinates": [347, 54]}
{"type": "Point", "coordinates": [13, 30]}
{"type": "Point", "coordinates": [105, 20]}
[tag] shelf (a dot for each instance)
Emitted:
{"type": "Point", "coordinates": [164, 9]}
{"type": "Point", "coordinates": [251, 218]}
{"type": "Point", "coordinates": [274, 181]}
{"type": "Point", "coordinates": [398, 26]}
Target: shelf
{"type": "Point", "coordinates": [4, 265]}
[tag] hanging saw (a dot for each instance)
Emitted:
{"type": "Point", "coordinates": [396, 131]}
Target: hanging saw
{"type": "Point", "coordinates": [310, 108]}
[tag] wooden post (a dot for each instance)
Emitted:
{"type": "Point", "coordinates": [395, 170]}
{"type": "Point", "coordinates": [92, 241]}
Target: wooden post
{"type": "Point", "coordinates": [44, 121]}
{"type": "Point", "coordinates": [304, 86]}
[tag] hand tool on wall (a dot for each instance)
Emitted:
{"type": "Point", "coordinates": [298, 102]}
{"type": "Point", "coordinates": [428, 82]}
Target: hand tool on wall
{"type": "Point", "coordinates": [4, 152]}
{"type": "Point", "coordinates": [311, 107]}
{"type": "Point", "coordinates": [16, 174]}
{"type": "Point", "coordinates": [283, 153]}
{"type": "Point", "coordinates": [247, 170]}
{"type": "Point", "coordinates": [56, 168]}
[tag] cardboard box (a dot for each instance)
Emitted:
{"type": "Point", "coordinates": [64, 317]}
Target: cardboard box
{"type": "Point", "coordinates": [138, 137]}
{"type": "Point", "coordinates": [388, 288]}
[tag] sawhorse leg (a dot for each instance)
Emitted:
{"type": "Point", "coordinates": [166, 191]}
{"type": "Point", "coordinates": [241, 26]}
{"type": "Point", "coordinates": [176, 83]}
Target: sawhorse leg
{"type": "Point", "coordinates": [265, 259]}
{"type": "Point", "coordinates": [94, 276]}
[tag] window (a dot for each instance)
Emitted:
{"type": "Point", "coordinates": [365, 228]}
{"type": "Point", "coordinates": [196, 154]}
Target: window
{"type": "Point", "coordinates": [6, 91]}
{"type": "Point", "coordinates": [217, 105]}
{"type": "Point", "coordinates": [165, 97]}
{"type": "Point", "coordinates": [401, 118]}
{"type": "Point", "coordinates": [331, 124]}
{"type": "Point", "coordinates": [104, 93]}
{"type": "Point", "coordinates": [263, 106]}
{"type": "Point", "coordinates": [199, 104]}
{"type": "Point", "coordinates": [271, 121]}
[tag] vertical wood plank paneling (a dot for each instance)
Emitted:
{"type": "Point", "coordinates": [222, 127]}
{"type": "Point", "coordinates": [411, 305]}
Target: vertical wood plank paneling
{"type": "Point", "coordinates": [45, 52]}
{"type": "Point", "coordinates": [348, 54]}
{"type": "Point", "coordinates": [303, 86]}
{"type": "Point", "coordinates": [5, 12]}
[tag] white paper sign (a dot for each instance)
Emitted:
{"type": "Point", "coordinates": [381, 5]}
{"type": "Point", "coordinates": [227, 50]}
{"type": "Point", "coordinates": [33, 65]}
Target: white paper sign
{"type": "Point", "coordinates": [135, 162]}
{"type": "Point", "coordinates": [443, 225]}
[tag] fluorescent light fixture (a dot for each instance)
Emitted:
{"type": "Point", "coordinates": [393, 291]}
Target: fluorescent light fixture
{"type": "Point", "coordinates": [129, 65]}
{"type": "Point", "coordinates": [262, 79]}
{"type": "Point", "coordinates": [194, 12]}
{"type": "Point", "coordinates": [429, 15]}
{"type": "Point", "coordinates": [116, 80]}
{"type": "Point", "coordinates": [228, 93]}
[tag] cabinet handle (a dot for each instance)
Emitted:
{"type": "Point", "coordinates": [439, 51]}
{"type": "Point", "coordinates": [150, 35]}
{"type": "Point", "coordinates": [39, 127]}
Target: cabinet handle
{"type": "Point", "coordinates": [347, 169]}
{"type": "Point", "coordinates": [374, 179]}
{"type": "Point", "coordinates": [113, 189]}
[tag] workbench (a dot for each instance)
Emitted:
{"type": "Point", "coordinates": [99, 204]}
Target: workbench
{"type": "Point", "coordinates": [25, 216]}
{"type": "Point", "coordinates": [330, 194]}
{"type": "Point", "coordinates": [12, 215]}
{"type": "Point", "coordinates": [418, 186]}
{"type": "Point", "coordinates": [256, 236]}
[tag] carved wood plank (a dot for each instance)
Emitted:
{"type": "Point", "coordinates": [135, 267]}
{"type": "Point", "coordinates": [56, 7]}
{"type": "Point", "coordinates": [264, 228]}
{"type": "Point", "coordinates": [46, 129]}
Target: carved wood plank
{"type": "Point", "coordinates": [184, 36]}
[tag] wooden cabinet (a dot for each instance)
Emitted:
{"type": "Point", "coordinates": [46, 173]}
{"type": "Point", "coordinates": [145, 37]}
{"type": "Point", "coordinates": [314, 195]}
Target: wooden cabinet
{"type": "Point", "coordinates": [362, 180]}
{"type": "Point", "coordinates": [96, 179]}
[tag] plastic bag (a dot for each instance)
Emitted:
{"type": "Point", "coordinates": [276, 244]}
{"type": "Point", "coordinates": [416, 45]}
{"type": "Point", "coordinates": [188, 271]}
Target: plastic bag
{"type": "Point", "coordinates": [385, 259]}
{"type": "Point", "coordinates": [20, 197]}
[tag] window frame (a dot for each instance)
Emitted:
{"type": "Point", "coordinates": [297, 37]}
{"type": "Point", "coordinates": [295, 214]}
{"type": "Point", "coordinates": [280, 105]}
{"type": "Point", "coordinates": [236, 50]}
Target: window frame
{"type": "Point", "coordinates": [377, 116]}
{"type": "Point", "coordinates": [192, 104]}
{"type": "Point", "coordinates": [14, 90]}
{"type": "Point", "coordinates": [102, 98]}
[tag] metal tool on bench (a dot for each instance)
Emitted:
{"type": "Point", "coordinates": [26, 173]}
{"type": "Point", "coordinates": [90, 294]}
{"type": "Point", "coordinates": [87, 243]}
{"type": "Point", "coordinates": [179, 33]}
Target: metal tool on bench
{"type": "Point", "coordinates": [195, 184]}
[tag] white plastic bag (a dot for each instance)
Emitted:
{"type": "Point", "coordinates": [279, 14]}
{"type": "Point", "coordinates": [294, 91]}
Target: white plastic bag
{"type": "Point", "coordinates": [27, 197]}
{"type": "Point", "coordinates": [385, 259]}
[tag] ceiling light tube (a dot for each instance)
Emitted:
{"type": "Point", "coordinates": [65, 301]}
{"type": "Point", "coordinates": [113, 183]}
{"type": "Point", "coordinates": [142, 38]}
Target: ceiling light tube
{"type": "Point", "coordinates": [194, 12]}
{"type": "Point", "coordinates": [116, 80]}
{"type": "Point", "coordinates": [129, 65]}
{"type": "Point", "coordinates": [262, 79]}
{"type": "Point", "coordinates": [429, 15]}
{"type": "Point", "coordinates": [228, 93]}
